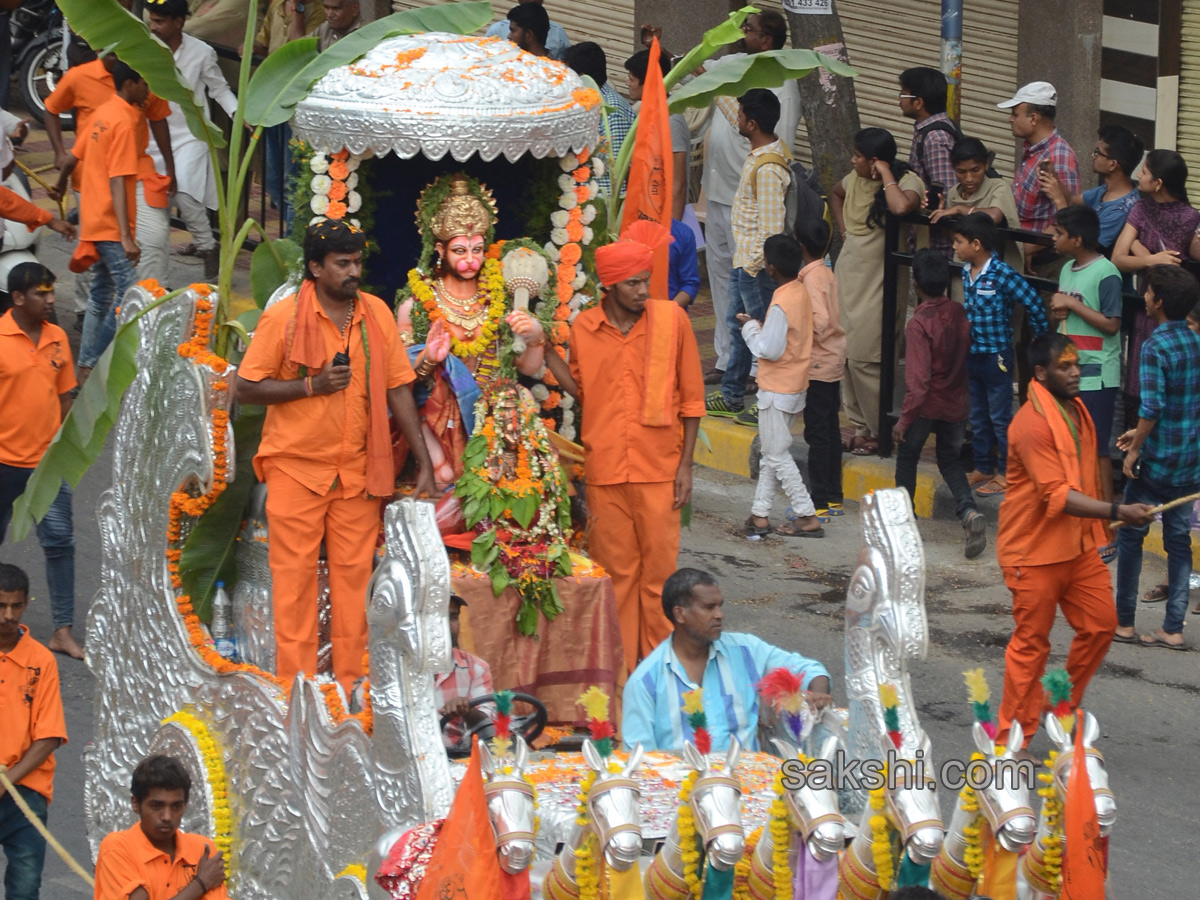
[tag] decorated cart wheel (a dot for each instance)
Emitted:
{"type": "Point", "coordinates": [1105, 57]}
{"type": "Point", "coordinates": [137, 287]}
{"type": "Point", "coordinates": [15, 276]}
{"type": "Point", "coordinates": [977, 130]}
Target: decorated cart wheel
{"type": "Point", "coordinates": [188, 739]}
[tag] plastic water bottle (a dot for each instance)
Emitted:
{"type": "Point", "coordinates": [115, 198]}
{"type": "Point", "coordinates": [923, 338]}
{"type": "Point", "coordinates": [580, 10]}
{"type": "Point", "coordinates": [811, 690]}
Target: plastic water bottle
{"type": "Point", "coordinates": [222, 627]}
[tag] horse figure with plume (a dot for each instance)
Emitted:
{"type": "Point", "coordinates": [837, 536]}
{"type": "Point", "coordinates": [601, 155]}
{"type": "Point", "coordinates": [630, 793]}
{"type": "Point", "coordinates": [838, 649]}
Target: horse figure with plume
{"type": "Point", "coordinates": [999, 811]}
{"type": "Point", "coordinates": [607, 832]}
{"type": "Point", "coordinates": [886, 627]}
{"type": "Point", "coordinates": [511, 799]}
{"type": "Point", "coordinates": [708, 821]}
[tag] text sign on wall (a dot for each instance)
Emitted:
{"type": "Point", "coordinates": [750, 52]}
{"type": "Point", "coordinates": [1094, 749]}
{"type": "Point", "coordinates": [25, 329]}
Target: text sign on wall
{"type": "Point", "coordinates": [809, 7]}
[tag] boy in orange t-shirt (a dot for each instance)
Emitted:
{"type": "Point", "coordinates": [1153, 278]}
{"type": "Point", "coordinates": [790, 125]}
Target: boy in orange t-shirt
{"type": "Point", "coordinates": [108, 208]}
{"type": "Point", "coordinates": [33, 729]}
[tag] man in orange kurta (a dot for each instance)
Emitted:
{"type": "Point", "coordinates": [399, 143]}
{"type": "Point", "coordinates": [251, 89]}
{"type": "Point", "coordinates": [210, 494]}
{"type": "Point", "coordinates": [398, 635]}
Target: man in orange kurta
{"type": "Point", "coordinates": [1051, 526]}
{"type": "Point", "coordinates": [635, 371]}
{"type": "Point", "coordinates": [326, 453]}
{"type": "Point", "coordinates": [153, 859]}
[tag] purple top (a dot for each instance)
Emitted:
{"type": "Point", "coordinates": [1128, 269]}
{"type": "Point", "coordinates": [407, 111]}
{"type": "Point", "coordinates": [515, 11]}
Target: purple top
{"type": "Point", "coordinates": [1164, 226]}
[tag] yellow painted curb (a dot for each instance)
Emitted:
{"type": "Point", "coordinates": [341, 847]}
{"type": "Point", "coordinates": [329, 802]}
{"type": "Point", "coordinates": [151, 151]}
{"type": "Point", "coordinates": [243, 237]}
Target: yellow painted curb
{"type": "Point", "coordinates": [724, 445]}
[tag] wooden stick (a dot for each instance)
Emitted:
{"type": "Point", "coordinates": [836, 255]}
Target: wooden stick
{"type": "Point", "coordinates": [37, 823]}
{"type": "Point", "coordinates": [1163, 508]}
{"type": "Point", "coordinates": [62, 201]}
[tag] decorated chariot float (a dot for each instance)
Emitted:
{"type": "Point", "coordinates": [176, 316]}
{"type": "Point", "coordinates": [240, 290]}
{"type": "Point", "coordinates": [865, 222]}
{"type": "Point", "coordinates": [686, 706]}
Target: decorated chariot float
{"type": "Point", "coordinates": [310, 793]}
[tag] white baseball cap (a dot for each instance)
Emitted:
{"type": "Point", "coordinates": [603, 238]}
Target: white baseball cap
{"type": "Point", "coordinates": [1039, 93]}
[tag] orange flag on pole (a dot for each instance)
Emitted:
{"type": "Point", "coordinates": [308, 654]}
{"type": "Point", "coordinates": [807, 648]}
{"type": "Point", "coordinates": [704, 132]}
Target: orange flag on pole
{"type": "Point", "coordinates": [1083, 868]}
{"type": "Point", "coordinates": [648, 193]}
{"type": "Point", "coordinates": [464, 863]}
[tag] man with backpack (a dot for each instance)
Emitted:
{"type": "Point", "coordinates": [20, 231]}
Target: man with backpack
{"type": "Point", "coordinates": [759, 211]}
{"type": "Point", "coordinates": [923, 99]}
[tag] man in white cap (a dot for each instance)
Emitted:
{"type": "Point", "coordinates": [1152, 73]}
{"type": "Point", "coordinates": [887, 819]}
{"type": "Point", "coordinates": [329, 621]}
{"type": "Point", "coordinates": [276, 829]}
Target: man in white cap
{"type": "Point", "coordinates": [1031, 118]}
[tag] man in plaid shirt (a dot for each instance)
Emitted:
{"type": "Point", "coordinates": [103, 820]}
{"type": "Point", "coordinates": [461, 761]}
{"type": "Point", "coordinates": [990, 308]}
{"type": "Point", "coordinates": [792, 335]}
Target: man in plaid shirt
{"type": "Point", "coordinates": [923, 99]}
{"type": "Point", "coordinates": [469, 678]}
{"type": "Point", "coordinates": [1031, 117]}
{"type": "Point", "coordinates": [1162, 455]}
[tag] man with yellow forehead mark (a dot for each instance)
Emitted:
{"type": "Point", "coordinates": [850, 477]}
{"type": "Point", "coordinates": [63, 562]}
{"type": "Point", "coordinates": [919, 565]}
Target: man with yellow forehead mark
{"type": "Point", "coordinates": [1051, 524]}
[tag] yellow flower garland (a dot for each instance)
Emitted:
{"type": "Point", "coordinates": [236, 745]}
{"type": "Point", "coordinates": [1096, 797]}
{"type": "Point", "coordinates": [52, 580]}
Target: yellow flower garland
{"type": "Point", "coordinates": [781, 834]}
{"type": "Point", "coordinates": [741, 871]}
{"type": "Point", "coordinates": [587, 869]}
{"type": "Point", "coordinates": [881, 836]}
{"type": "Point", "coordinates": [1052, 812]}
{"type": "Point", "coordinates": [687, 837]}
{"type": "Point", "coordinates": [493, 280]}
{"type": "Point", "coordinates": [215, 766]}
{"type": "Point", "coordinates": [969, 803]}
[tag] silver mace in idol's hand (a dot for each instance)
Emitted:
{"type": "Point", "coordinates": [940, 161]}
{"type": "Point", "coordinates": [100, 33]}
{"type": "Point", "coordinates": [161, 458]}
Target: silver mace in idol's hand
{"type": "Point", "coordinates": [1191, 498]}
{"type": "Point", "coordinates": [526, 275]}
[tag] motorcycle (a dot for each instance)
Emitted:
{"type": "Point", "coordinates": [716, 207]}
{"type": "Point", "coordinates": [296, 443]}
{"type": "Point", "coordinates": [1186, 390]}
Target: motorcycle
{"type": "Point", "coordinates": [40, 44]}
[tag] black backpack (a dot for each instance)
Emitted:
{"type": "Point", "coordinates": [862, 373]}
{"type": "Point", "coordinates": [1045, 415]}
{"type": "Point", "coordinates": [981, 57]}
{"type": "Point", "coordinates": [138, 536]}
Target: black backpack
{"type": "Point", "coordinates": [950, 128]}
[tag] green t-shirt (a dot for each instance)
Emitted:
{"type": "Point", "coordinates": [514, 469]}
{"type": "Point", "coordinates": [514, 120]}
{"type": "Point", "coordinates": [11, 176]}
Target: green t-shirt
{"type": "Point", "coordinates": [1099, 283]}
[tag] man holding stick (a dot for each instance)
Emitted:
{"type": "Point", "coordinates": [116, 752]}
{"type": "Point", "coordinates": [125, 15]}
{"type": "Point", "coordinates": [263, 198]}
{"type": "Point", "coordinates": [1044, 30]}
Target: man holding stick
{"type": "Point", "coordinates": [1050, 531]}
{"type": "Point", "coordinates": [1162, 456]}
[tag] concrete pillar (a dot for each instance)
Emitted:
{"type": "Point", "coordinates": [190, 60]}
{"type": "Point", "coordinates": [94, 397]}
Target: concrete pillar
{"type": "Point", "coordinates": [1060, 43]}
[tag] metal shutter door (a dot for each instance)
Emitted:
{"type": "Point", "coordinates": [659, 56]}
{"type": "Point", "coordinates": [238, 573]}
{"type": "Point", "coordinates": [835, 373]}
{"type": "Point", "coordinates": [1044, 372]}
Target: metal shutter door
{"type": "Point", "coordinates": [1188, 143]}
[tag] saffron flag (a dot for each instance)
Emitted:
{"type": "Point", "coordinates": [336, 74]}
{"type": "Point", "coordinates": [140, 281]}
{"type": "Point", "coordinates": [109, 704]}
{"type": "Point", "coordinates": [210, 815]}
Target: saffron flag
{"type": "Point", "coordinates": [464, 864]}
{"type": "Point", "coordinates": [1083, 868]}
{"type": "Point", "coordinates": [648, 193]}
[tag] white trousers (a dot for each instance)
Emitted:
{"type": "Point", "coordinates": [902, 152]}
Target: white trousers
{"type": "Point", "coordinates": [154, 237]}
{"type": "Point", "coordinates": [78, 301]}
{"type": "Point", "coordinates": [195, 217]}
{"type": "Point", "coordinates": [718, 254]}
{"type": "Point", "coordinates": [777, 469]}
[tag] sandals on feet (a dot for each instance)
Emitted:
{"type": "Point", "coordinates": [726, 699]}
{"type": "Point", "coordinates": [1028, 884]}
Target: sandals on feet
{"type": "Point", "coordinates": [998, 485]}
{"type": "Point", "coordinates": [867, 447]}
{"type": "Point", "coordinates": [750, 527]}
{"type": "Point", "coordinates": [1108, 552]}
{"type": "Point", "coordinates": [1126, 638]}
{"type": "Point", "coordinates": [1156, 640]}
{"type": "Point", "coordinates": [789, 529]}
{"type": "Point", "coordinates": [1156, 594]}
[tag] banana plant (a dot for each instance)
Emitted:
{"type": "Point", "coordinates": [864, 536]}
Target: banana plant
{"type": "Point", "coordinates": [265, 98]}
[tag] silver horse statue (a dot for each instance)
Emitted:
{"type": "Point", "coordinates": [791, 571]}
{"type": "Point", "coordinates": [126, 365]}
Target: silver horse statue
{"type": "Point", "coordinates": [1005, 805]}
{"type": "Point", "coordinates": [1032, 882]}
{"type": "Point", "coordinates": [612, 816]}
{"type": "Point", "coordinates": [886, 627]}
{"type": "Point", "coordinates": [510, 801]}
{"type": "Point", "coordinates": [716, 805]}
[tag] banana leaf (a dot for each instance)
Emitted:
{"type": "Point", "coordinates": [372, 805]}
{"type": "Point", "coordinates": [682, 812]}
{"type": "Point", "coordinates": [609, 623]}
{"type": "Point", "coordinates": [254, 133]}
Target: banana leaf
{"type": "Point", "coordinates": [209, 554]}
{"type": "Point", "coordinates": [270, 266]}
{"type": "Point", "coordinates": [288, 74]}
{"type": "Point", "coordinates": [108, 27]}
{"type": "Point", "coordinates": [80, 440]}
{"type": "Point", "coordinates": [768, 69]}
{"type": "Point", "coordinates": [728, 32]}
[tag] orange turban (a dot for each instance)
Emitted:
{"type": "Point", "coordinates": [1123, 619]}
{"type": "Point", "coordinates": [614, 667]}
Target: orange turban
{"type": "Point", "coordinates": [633, 253]}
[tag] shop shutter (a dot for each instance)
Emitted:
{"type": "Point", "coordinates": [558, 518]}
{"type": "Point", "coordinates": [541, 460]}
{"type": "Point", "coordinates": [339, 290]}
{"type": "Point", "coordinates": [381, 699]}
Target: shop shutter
{"type": "Point", "coordinates": [1188, 142]}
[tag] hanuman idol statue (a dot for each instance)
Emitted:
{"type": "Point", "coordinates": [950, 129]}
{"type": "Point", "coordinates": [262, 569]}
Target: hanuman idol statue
{"type": "Point", "coordinates": [453, 319]}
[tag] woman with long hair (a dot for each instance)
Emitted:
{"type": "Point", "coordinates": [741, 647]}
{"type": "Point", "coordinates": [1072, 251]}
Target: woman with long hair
{"type": "Point", "coordinates": [877, 184]}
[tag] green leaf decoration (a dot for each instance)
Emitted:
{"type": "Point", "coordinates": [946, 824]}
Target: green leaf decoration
{"type": "Point", "coordinates": [769, 69]}
{"type": "Point", "coordinates": [106, 26]}
{"type": "Point", "coordinates": [80, 440]}
{"type": "Point", "coordinates": [685, 515]}
{"type": "Point", "coordinates": [209, 554]}
{"type": "Point", "coordinates": [527, 618]}
{"type": "Point", "coordinates": [891, 718]}
{"type": "Point", "coordinates": [500, 580]}
{"type": "Point", "coordinates": [288, 74]}
{"type": "Point", "coordinates": [498, 504]}
{"type": "Point", "coordinates": [270, 266]}
{"type": "Point", "coordinates": [480, 547]}
{"type": "Point", "coordinates": [1058, 685]}
{"type": "Point", "coordinates": [524, 509]}
{"type": "Point", "coordinates": [728, 32]}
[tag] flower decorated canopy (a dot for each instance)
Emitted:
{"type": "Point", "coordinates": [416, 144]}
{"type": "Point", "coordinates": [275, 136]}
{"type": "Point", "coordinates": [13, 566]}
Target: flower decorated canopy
{"type": "Point", "coordinates": [434, 93]}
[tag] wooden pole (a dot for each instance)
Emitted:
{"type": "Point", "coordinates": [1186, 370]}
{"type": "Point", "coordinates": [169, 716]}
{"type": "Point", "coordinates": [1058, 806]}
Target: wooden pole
{"type": "Point", "coordinates": [1191, 498]}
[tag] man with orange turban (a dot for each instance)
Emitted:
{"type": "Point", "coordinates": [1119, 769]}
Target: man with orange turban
{"type": "Point", "coordinates": [635, 371]}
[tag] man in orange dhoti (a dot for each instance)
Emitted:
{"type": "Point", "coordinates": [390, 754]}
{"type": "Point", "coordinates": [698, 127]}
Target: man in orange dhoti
{"type": "Point", "coordinates": [1051, 529]}
{"type": "Point", "coordinates": [328, 365]}
{"type": "Point", "coordinates": [635, 371]}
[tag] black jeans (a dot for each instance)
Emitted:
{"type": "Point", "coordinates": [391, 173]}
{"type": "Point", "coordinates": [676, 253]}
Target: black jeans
{"type": "Point", "coordinates": [949, 460]}
{"type": "Point", "coordinates": [823, 434]}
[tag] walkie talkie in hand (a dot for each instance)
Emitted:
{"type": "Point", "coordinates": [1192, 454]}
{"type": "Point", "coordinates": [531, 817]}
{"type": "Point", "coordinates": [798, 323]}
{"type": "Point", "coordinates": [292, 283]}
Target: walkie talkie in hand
{"type": "Point", "coordinates": [341, 358]}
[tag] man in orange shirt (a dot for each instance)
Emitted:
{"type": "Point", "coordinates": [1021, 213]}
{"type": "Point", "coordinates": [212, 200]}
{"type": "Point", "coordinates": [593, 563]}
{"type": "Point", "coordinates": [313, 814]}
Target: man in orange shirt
{"type": "Point", "coordinates": [16, 208]}
{"type": "Point", "coordinates": [108, 209]}
{"type": "Point", "coordinates": [84, 88]}
{"type": "Point", "coordinates": [635, 371]}
{"type": "Point", "coordinates": [35, 377]}
{"type": "Point", "coordinates": [1051, 526]}
{"type": "Point", "coordinates": [153, 859]}
{"type": "Point", "coordinates": [33, 729]}
{"type": "Point", "coordinates": [328, 364]}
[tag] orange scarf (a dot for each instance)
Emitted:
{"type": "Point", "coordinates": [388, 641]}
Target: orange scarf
{"type": "Point", "coordinates": [1085, 479]}
{"type": "Point", "coordinates": [662, 352]}
{"type": "Point", "coordinates": [307, 348]}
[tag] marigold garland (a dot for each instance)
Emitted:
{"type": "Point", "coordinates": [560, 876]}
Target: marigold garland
{"type": "Point", "coordinates": [688, 842]}
{"type": "Point", "coordinates": [218, 785]}
{"type": "Point", "coordinates": [881, 835]}
{"type": "Point", "coordinates": [493, 280]}
{"type": "Point", "coordinates": [1052, 814]}
{"type": "Point", "coordinates": [973, 832]}
{"type": "Point", "coordinates": [741, 871]}
{"type": "Point", "coordinates": [781, 834]}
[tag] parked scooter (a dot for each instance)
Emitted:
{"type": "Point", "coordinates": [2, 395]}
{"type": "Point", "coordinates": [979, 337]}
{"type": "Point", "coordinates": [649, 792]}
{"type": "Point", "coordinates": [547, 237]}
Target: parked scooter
{"type": "Point", "coordinates": [40, 42]}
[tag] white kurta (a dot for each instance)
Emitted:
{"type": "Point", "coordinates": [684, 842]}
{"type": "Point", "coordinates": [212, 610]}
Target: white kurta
{"type": "Point", "coordinates": [197, 62]}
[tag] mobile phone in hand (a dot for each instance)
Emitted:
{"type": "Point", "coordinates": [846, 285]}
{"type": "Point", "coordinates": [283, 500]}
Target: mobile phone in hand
{"type": "Point", "coordinates": [934, 194]}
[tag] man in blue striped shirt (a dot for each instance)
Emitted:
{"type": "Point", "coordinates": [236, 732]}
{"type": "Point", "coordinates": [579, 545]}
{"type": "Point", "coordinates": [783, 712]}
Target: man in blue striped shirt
{"type": "Point", "coordinates": [1165, 445]}
{"type": "Point", "coordinates": [699, 655]}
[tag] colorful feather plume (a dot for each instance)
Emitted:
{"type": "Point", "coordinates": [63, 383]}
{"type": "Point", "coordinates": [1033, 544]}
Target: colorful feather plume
{"type": "Point", "coordinates": [1058, 686]}
{"type": "Point", "coordinates": [502, 742]}
{"type": "Point", "coordinates": [891, 715]}
{"type": "Point", "coordinates": [693, 708]}
{"type": "Point", "coordinates": [595, 704]}
{"type": "Point", "coordinates": [783, 689]}
{"type": "Point", "coordinates": [980, 696]}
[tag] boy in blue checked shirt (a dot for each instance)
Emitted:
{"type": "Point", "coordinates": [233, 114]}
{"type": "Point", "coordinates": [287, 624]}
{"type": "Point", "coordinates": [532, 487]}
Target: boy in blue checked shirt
{"type": "Point", "coordinates": [991, 289]}
{"type": "Point", "coordinates": [1162, 455]}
